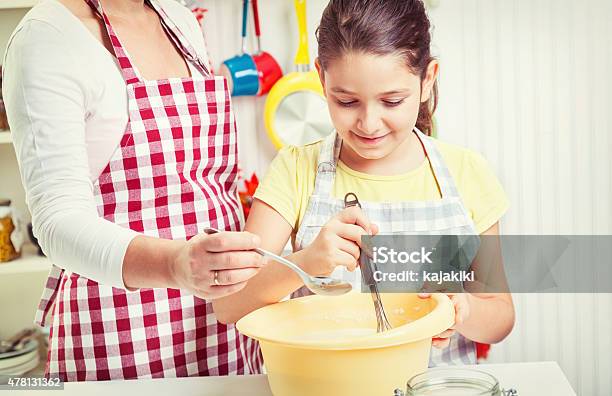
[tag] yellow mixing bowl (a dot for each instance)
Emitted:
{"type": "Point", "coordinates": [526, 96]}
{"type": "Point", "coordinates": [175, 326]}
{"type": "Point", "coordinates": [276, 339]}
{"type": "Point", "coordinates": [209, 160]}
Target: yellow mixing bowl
{"type": "Point", "coordinates": [317, 346]}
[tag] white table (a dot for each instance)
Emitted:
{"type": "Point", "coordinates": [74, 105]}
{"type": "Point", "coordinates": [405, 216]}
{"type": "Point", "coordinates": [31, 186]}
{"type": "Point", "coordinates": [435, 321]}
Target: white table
{"type": "Point", "coordinates": [529, 379]}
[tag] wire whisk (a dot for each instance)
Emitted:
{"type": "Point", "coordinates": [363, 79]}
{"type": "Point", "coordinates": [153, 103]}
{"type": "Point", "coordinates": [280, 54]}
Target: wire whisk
{"type": "Point", "coordinates": [367, 273]}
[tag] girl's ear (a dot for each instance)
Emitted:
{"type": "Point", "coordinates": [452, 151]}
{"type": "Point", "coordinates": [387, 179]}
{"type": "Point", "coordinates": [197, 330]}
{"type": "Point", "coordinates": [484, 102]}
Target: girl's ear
{"type": "Point", "coordinates": [321, 74]}
{"type": "Point", "coordinates": [431, 76]}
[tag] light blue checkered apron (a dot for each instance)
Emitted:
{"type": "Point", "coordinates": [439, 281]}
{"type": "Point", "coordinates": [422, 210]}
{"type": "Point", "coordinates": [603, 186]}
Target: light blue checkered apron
{"type": "Point", "coordinates": [445, 216]}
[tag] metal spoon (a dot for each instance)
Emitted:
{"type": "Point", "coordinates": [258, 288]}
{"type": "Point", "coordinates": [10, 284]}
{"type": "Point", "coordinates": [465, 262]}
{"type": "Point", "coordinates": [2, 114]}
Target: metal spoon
{"type": "Point", "coordinates": [323, 285]}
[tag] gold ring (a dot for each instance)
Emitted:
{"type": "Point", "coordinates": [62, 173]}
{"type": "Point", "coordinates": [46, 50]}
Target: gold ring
{"type": "Point", "coordinates": [216, 277]}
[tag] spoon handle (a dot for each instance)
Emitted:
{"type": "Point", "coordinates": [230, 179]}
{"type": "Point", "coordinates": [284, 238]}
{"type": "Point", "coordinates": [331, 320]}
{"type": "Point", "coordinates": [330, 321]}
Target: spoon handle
{"type": "Point", "coordinates": [265, 253]}
{"type": "Point", "coordinates": [282, 260]}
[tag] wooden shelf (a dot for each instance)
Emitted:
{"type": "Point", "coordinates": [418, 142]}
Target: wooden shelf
{"type": "Point", "coordinates": [5, 137]}
{"type": "Point", "coordinates": [28, 262]}
{"type": "Point", "coordinates": [7, 4]}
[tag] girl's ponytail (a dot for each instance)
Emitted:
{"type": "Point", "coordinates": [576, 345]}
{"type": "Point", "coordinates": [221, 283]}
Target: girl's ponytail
{"type": "Point", "coordinates": [426, 110]}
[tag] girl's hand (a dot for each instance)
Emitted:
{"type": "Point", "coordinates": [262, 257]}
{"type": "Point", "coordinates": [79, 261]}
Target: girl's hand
{"type": "Point", "coordinates": [462, 311]}
{"type": "Point", "coordinates": [213, 266]}
{"type": "Point", "coordinates": [338, 243]}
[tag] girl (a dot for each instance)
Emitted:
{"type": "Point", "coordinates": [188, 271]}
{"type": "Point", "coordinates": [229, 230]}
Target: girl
{"type": "Point", "coordinates": [379, 78]}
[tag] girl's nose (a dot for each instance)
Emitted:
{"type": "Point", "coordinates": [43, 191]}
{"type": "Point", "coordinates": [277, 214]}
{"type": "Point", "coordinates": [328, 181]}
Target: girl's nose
{"type": "Point", "coordinates": [369, 122]}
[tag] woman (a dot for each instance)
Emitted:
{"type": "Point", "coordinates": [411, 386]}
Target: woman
{"type": "Point", "coordinates": [127, 150]}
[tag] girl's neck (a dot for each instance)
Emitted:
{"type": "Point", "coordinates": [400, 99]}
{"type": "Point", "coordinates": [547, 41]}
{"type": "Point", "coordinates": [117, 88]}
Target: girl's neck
{"type": "Point", "coordinates": [407, 156]}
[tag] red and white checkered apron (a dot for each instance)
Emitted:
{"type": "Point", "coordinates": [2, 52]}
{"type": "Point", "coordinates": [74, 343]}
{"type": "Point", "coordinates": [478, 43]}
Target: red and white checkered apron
{"type": "Point", "coordinates": [173, 174]}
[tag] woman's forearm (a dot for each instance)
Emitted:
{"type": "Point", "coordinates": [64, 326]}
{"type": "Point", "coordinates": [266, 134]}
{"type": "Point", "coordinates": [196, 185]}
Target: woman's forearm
{"type": "Point", "coordinates": [148, 262]}
{"type": "Point", "coordinates": [270, 285]}
{"type": "Point", "coordinates": [274, 281]}
{"type": "Point", "coordinates": [490, 320]}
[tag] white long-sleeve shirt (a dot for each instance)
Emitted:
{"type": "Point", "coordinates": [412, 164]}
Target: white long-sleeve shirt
{"type": "Point", "coordinates": [66, 103]}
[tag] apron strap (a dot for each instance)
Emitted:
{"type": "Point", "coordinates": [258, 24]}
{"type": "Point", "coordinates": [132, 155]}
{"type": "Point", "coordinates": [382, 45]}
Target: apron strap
{"type": "Point", "coordinates": [179, 39]}
{"type": "Point", "coordinates": [128, 70]}
{"type": "Point", "coordinates": [442, 176]}
{"type": "Point", "coordinates": [326, 165]}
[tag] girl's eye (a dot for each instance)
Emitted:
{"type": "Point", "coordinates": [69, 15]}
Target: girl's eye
{"type": "Point", "coordinates": [346, 103]}
{"type": "Point", "coordinates": [393, 103]}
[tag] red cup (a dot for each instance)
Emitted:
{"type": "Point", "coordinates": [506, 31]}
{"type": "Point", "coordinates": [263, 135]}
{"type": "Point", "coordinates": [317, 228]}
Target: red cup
{"type": "Point", "coordinates": [268, 70]}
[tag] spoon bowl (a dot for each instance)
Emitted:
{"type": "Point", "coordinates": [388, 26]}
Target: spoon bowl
{"type": "Point", "coordinates": [329, 286]}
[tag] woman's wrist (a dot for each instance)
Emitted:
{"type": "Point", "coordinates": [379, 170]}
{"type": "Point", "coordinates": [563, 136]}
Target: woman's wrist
{"type": "Point", "coordinates": [170, 263]}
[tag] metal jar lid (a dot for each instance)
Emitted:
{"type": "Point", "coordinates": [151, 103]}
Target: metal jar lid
{"type": "Point", "coordinates": [454, 381]}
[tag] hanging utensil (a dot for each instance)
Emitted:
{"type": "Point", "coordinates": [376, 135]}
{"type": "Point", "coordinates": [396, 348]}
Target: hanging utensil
{"type": "Point", "coordinates": [267, 68]}
{"type": "Point", "coordinates": [296, 111]}
{"type": "Point", "coordinates": [240, 71]}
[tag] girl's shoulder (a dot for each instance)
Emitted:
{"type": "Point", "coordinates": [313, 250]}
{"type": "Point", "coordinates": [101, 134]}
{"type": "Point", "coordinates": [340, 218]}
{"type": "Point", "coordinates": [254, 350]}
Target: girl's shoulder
{"type": "Point", "coordinates": [478, 185]}
{"type": "Point", "coordinates": [461, 160]}
{"type": "Point", "coordinates": [305, 156]}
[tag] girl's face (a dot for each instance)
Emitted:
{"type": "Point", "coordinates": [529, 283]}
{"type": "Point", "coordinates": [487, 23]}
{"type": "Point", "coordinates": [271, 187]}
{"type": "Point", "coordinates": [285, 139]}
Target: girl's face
{"type": "Point", "coordinates": [374, 101]}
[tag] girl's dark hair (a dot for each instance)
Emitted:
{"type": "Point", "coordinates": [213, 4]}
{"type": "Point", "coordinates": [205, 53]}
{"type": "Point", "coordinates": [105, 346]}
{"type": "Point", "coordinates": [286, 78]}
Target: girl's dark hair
{"type": "Point", "coordinates": [380, 27]}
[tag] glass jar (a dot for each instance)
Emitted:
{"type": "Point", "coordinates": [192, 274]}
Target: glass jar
{"type": "Point", "coordinates": [454, 381]}
{"type": "Point", "coordinates": [7, 249]}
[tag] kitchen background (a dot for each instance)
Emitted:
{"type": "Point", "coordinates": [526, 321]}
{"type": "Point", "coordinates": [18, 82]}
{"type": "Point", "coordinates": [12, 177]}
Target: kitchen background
{"type": "Point", "coordinates": [525, 82]}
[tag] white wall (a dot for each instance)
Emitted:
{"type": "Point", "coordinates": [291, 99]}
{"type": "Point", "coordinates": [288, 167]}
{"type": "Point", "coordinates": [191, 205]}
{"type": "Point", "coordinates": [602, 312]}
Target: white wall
{"type": "Point", "coordinates": [527, 83]}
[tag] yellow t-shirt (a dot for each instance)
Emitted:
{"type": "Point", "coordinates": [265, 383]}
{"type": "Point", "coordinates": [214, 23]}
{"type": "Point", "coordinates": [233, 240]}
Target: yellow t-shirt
{"type": "Point", "coordinates": [290, 181]}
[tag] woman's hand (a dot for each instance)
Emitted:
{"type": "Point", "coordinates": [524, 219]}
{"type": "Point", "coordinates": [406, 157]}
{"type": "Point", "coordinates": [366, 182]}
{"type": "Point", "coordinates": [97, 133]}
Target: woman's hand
{"type": "Point", "coordinates": [462, 312]}
{"type": "Point", "coordinates": [338, 243]}
{"type": "Point", "coordinates": [213, 266]}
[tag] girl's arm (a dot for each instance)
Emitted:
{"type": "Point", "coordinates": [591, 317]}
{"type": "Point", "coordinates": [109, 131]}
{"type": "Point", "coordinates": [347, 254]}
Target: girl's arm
{"type": "Point", "coordinates": [490, 316]}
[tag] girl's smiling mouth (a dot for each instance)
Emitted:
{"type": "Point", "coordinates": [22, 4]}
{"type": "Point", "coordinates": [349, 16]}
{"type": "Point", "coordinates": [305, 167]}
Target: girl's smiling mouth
{"type": "Point", "coordinates": [370, 141]}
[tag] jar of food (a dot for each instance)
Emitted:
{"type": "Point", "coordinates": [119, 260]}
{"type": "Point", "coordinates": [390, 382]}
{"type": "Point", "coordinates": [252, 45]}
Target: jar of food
{"type": "Point", "coordinates": [7, 249]}
{"type": "Point", "coordinates": [454, 381]}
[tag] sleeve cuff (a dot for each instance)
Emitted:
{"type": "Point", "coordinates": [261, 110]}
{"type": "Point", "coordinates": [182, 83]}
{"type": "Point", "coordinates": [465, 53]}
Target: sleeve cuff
{"type": "Point", "coordinates": [491, 218]}
{"type": "Point", "coordinates": [122, 241]}
{"type": "Point", "coordinates": [283, 210]}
